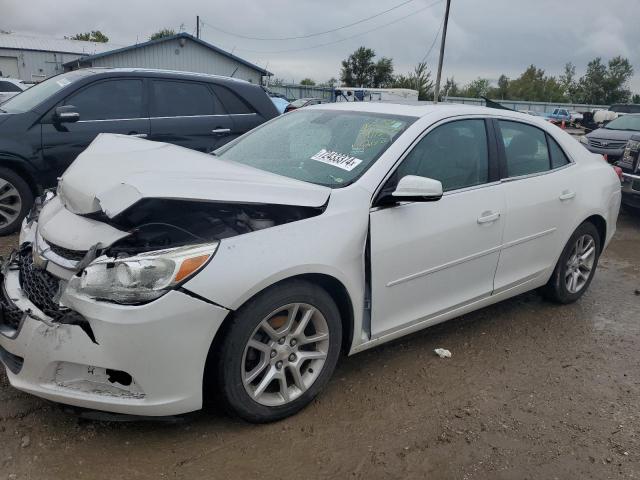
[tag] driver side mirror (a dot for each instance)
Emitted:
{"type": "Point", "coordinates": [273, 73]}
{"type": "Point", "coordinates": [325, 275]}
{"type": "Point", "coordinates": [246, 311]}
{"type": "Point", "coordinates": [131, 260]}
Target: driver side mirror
{"type": "Point", "coordinates": [412, 188]}
{"type": "Point", "coordinates": [66, 114]}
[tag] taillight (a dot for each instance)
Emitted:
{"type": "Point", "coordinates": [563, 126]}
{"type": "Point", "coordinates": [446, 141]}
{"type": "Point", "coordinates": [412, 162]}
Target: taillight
{"type": "Point", "coordinates": [618, 171]}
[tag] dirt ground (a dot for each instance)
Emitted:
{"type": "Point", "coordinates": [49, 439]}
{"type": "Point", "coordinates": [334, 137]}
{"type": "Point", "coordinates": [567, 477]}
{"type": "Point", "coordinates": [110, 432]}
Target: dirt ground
{"type": "Point", "coordinates": [533, 391]}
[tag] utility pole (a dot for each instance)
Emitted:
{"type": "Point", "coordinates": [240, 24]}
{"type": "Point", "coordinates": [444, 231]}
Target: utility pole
{"type": "Point", "coordinates": [436, 93]}
{"type": "Point", "coordinates": [197, 26]}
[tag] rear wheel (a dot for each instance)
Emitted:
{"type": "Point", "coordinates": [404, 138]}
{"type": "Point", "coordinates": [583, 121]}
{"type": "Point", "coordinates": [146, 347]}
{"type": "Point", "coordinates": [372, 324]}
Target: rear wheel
{"type": "Point", "coordinates": [279, 352]}
{"type": "Point", "coordinates": [576, 266]}
{"type": "Point", "coordinates": [16, 200]}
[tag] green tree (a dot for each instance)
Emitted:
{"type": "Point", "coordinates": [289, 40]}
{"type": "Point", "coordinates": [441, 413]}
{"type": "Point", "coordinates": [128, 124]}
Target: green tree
{"type": "Point", "coordinates": [307, 81]}
{"type": "Point", "coordinates": [451, 88]}
{"type": "Point", "coordinates": [165, 32]}
{"type": "Point", "coordinates": [635, 98]}
{"type": "Point", "coordinates": [360, 69]}
{"type": "Point", "coordinates": [332, 83]}
{"type": "Point", "coordinates": [419, 79]}
{"type": "Point", "coordinates": [477, 88]}
{"type": "Point", "coordinates": [606, 84]}
{"type": "Point", "coordinates": [502, 91]}
{"type": "Point", "coordinates": [92, 36]}
{"type": "Point", "coordinates": [568, 82]}
{"type": "Point", "coordinates": [535, 86]}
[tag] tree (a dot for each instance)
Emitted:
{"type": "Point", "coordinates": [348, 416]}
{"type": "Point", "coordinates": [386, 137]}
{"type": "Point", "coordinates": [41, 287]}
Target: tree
{"type": "Point", "coordinates": [618, 75]}
{"type": "Point", "coordinates": [307, 81]}
{"type": "Point", "coordinates": [535, 86]}
{"type": "Point", "coordinates": [502, 91]}
{"type": "Point", "coordinates": [419, 79]}
{"type": "Point", "coordinates": [92, 36]}
{"type": "Point", "coordinates": [165, 32]}
{"type": "Point", "coordinates": [635, 98]}
{"type": "Point", "coordinates": [451, 88]}
{"type": "Point", "coordinates": [383, 73]}
{"type": "Point", "coordinates": [568, 81]}
{"type": "Point", "coordinates": [360, 70]}
{"type": "Point", "coordinates": [477, 88]}
{"type": "Point", "coordinates": [331, 83]}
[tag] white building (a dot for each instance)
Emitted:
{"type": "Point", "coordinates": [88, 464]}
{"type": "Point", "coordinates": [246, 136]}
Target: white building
{"type": "Point", "coordinates": [182, 52]}
{"type": "Point", "coordinates": [32, 59]}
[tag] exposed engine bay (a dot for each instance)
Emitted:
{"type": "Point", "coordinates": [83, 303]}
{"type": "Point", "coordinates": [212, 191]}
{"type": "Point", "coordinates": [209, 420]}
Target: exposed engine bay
{"type": "Point", "coordinates": [164, 223]}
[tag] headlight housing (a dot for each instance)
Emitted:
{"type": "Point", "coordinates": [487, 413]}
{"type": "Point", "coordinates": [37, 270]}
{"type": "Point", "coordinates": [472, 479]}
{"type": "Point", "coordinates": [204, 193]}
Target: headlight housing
{"type": "Point", "coordinates": [633, 145]}
{"type": "Point", "coordinates": [140, 278]}
{"type": "Point", "coordinates": [584, 140]}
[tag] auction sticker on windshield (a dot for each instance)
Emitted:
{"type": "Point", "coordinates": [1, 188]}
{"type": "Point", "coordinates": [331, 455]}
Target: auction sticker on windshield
{"type": "Point", "coordinates": [340, 160]}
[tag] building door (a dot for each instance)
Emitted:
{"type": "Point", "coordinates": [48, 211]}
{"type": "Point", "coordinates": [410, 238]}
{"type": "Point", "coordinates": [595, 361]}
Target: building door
{"type": "Point", "coordinates": [9, 67]}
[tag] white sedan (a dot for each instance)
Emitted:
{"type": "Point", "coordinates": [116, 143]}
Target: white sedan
{"type": "Point", "coordinates": [157, 275]}
{"type": "Point", "coordinates": [10, 87]}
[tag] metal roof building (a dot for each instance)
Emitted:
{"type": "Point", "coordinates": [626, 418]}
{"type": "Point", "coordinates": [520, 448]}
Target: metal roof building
{"type": "Point", "coordinates": [182, 52]}
{"type": "Point", "coordinates": [32, 59]}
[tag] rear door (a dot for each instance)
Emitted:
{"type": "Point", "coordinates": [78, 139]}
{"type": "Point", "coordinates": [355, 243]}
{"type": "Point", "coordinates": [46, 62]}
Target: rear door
{"type": "Point", "coordinates": [540, 189]}
{"type": "Point", "coordinates": [243, 115]}
{"type": "Point", "coordinates": [106, 106]}
{"type": "Point", "coordinates": [188, 114]}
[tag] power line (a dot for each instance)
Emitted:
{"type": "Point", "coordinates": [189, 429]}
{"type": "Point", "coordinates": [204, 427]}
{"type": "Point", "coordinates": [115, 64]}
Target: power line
{"type": "Point", "coordinates": [342, 39]}
{"type": "Point", "coordinates": [433, 44]}
{"type": "Point", "coordinates": [250, 37]}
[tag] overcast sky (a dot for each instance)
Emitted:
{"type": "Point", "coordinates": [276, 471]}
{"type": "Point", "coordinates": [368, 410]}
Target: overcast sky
{"type": "Point", "coordinates": [486, 37]}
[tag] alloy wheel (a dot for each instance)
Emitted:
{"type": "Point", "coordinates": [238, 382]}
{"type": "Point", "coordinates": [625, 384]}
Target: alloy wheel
{"type": "Point", "coordinates": [10, 203]}
{"type": "Point", "coordinates": [580, 263]}
{"type": "Point", "coordinates": [285, 354]}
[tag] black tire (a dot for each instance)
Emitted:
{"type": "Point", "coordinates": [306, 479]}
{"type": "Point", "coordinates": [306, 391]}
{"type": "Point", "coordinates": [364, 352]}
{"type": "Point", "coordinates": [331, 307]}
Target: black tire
{"type": "Point", "coordinates": [229, 357]}
{"type": "Point", "coordinates": [556, 289]}
{"type": "Point", "coordinates": [10, 180]}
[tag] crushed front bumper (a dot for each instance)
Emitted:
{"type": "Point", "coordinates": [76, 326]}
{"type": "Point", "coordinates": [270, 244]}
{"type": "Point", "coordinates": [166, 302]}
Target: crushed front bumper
{"type": "Point", "coordinates": [143, 360]}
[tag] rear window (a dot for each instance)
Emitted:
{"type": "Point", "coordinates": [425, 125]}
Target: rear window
{"type": "Point", "coordinates": [231, 101]}
{"type": "Point", "coordinates": [9, 87]}
{"type": "Point", "coordinates": [182, 99]}
{"type": "Point", "coordinates": [525, 148]}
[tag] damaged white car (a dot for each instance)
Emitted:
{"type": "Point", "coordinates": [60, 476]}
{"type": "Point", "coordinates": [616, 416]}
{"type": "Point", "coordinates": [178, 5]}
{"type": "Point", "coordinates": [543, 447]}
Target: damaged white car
{"type": "Point", "coordinates": [156, 274]}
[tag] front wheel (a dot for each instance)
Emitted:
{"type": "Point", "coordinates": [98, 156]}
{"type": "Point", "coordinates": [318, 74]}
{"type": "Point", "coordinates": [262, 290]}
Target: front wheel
{"type": "Point", "coordinates": [16, 200]}
{"type": "Point", "coordinates": [576, 266]}
{"type": "Point", "coordinates": [279, 352]}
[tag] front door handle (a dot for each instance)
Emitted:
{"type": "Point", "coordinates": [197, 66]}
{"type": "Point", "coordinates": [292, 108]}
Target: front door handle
{"type": "Point", "coordinates": [488, 217]}
{"type": "Point", "coordinates": [567, 195]}
{"type": "Point", "coordinates": [219, 131]}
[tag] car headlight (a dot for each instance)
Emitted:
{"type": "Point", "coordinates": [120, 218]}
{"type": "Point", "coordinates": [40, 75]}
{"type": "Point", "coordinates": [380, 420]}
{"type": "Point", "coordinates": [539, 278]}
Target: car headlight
{"type": "Point", "coordinates": [140, 278]}
{"type": "Point", "coordinates": [584, 140]}
{"type": "Point", "coordinates": [633, 145]}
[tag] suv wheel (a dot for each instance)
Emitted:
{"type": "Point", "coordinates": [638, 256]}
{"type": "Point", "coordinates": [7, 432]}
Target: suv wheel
{"type": "Point", "coordinates": [279, 352]}
{"type": "Point", "coordinates": [16, 200]}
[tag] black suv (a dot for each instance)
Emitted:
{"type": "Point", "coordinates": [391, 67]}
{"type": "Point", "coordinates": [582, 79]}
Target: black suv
{"type": "Point", "coordinates": [43, 129]}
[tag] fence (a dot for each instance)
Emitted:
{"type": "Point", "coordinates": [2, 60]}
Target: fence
{"type": "Point", "coordinates": [294, 92]}
{"type": "Point", "coordinates": [540, 107]}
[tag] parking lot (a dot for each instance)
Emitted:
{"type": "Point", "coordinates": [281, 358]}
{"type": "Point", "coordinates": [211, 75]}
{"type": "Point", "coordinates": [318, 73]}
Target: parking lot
{"type": "Point", "coordinates": [533, 390]}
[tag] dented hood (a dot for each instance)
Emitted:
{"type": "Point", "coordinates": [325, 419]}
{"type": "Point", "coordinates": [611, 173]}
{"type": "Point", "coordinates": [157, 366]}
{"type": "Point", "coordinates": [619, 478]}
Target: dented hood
{"type": "Point", "coordinates": [116, 171]}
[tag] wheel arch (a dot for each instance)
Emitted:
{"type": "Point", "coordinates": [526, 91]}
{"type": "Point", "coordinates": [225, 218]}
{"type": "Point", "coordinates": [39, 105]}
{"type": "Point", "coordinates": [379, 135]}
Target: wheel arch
{"type": "Point", "coordinates": [600, 223]}
{"type": "Point", "coordinates": [21, 167]}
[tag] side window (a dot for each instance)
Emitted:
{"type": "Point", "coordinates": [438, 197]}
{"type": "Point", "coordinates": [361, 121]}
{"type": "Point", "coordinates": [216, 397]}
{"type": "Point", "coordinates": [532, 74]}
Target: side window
{"type": "Point", "coordinates": [109, 100]}
{"type": "Point", "coordinates": [9, 87]}
{"type": "Point", "coordinates": [182, 99]}
{"type": "Point", "coordinates": [558, 157]}
{"type": "Point", "coordinates": [454, 153]}
{"type": "Point", "coordinates": [525, 148]}
{"type": "Point", "coordinates": [232, 102]}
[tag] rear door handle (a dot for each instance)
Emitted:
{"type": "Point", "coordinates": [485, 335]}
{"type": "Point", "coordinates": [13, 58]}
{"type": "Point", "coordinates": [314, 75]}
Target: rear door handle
{"type": "Point", "coordinates": [219, 131]}
{"type": "Point", "coordinates": [567, 195]}
{"type": "Point", "coordinates": [488, 217]}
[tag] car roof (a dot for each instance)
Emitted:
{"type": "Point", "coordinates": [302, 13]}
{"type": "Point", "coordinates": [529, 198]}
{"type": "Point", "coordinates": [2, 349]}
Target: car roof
{"type": "Point", "coordinates": [162, 72]}
{"type": "Point", "coordinates": [419, 110]}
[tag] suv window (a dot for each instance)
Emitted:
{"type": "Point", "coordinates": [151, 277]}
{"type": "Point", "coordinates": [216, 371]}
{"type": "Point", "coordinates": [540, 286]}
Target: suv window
{"type": "Point", "coordinates": [525, 148]}
{"type": "Point", "coordinates": [232, 102]}
{"type": "Point", "coordinates": [183, 99]}
{"type": "Point", "coordinates": [108, 100]}
{"type": "Point", "coordinates": [455, 153]}
{"type": "Point", "coordinates": [558, 157]}
{"type": "Point", "coordinates": [9, 87]}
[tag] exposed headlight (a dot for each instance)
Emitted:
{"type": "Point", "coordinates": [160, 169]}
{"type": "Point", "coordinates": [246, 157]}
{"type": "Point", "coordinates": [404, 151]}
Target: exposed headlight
{"type": "Point", "coordinates": [633, 145]}
{"type": "Point", "coordinates": [140, 278]}
{"type": "Point", "coordinates": [584, 140]}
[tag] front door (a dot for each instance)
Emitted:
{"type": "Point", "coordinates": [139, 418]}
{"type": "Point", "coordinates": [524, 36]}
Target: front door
{"type": "Point", "coordinates": [108, 106]}
{"type": "Point", "coordinates": [188, 114]}
{"type": "Point", "coordinates": [430, 257]}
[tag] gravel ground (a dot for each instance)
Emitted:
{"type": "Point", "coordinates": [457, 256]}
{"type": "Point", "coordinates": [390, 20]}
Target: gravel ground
{"type": "Point", "coordinates": [533, 390]}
